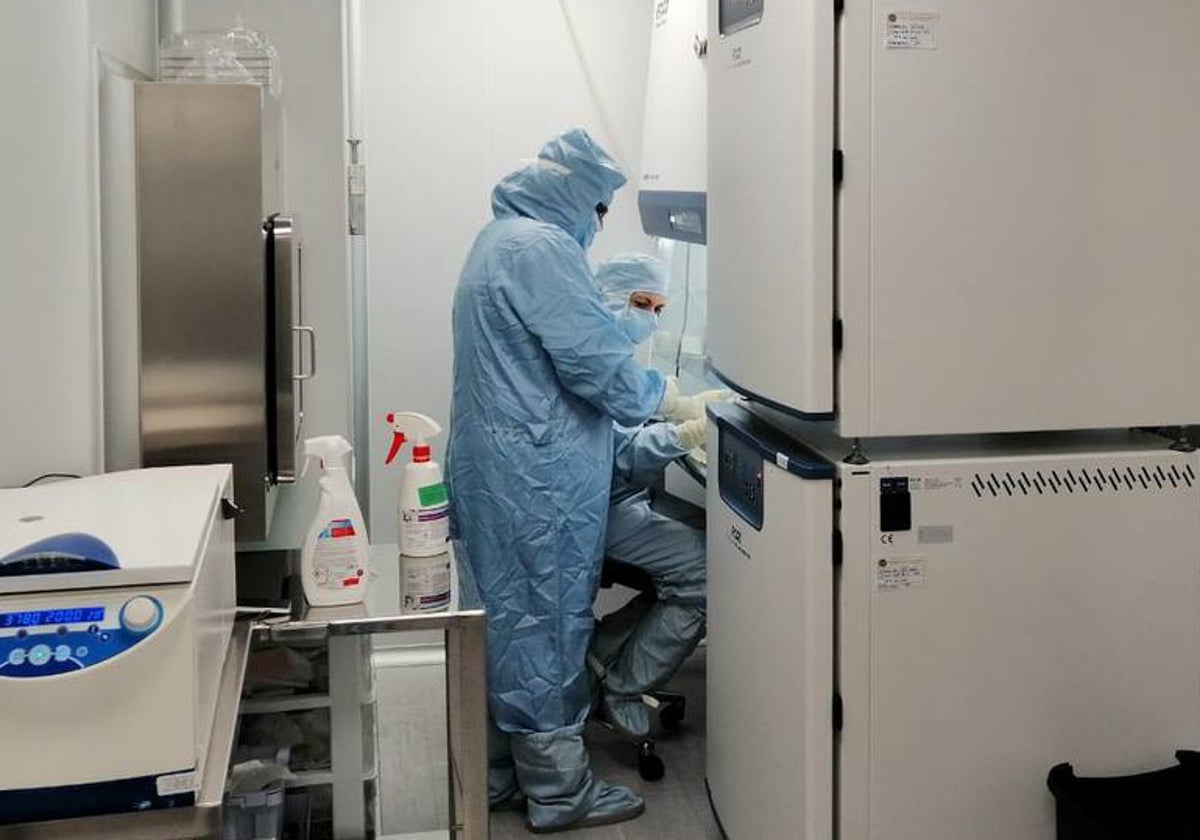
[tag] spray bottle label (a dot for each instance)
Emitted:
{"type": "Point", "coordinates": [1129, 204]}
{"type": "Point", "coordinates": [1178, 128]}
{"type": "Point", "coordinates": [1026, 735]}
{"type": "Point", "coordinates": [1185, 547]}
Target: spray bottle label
{"type": "Point", "coordinates": [338, 529]}
{"type": "Point", "coordinates": [425, 530]}
{"type": "Point", "coordinates": [335, 559]}
{"type": "Point", "coordinates": [426, 583]}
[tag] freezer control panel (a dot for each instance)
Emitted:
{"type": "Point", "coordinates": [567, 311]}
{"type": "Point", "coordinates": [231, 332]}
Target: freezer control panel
{"type": "Point", "coordinates": [740, 478]}
{"type": "Point", "coordinates": [52, 639]}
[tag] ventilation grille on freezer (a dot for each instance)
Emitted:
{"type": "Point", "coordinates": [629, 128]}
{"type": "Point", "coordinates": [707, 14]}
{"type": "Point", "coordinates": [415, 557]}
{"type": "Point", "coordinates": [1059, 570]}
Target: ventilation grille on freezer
{"type": "Point", "coordinates": [1137, 479]}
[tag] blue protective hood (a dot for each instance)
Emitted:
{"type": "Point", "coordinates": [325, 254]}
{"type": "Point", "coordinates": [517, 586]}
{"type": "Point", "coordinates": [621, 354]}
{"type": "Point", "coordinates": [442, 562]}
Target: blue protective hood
{"type": "Point", "coordinates": [570, 177]}
{"type": "Point", "coordinates": [625, 274]}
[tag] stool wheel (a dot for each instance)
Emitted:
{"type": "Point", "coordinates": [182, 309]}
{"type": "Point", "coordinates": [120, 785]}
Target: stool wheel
{"type": "Point", "coordinates": [650, 766]}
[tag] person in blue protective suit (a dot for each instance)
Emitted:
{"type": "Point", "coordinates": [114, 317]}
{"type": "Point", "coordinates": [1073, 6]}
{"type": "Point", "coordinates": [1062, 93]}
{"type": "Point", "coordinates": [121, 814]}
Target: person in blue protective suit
{"type": "Point", "coordinates": [541, 372]}
{"type": "Point", "coordinates": [640, 646]}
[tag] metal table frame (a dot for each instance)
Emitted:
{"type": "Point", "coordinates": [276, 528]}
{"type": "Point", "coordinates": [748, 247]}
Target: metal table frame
{"type": "Point", "coordinates": [466, 706]}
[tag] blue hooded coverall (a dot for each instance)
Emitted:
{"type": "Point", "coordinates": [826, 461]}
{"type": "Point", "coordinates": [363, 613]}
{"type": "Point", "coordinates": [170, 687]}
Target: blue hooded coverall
{"type": "Point", "coordinates": [640, 646]}
{"type": "Point", "coordinates": [541, 372]}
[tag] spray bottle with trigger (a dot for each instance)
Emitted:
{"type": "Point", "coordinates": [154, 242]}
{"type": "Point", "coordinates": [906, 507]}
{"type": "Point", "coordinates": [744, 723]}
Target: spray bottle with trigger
{"type": "Point", "coordinates": [424, 517]}
{"type": "Point", "coordinates": [334, 561]}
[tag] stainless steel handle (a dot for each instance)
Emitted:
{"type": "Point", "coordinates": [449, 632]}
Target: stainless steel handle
{"type": "Point", "coordinates": [283, 261]}
{"type": "Point", "coordinates": [312, 352]}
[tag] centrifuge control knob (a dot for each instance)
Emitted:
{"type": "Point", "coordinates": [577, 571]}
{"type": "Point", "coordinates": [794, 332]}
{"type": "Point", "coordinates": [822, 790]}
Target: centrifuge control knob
{"type": "Point", "coordinates": [140, 614]}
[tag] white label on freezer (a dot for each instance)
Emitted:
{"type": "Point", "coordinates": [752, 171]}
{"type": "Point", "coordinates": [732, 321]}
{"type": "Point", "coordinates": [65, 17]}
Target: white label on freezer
{"type": "Point", "coordinates": [781, 460]}
{"type": "Point", "coordinates": [935, 534]}
{"type": "Point", "coordinates": [912, 30]}
{"type": "Point", "coordinates": [176, 783]}
{"type": "Point", "coordinates": [899, 574]}
{"type": "Point", "coordinates": [933, 483]}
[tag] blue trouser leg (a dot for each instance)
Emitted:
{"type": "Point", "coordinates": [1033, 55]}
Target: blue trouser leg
{"type": "Point", "coordinates": [644, 643]}
{"type": "Point", "coordinates": [552, 767]}
{"type": "Point", "coordinates": [502, 773]}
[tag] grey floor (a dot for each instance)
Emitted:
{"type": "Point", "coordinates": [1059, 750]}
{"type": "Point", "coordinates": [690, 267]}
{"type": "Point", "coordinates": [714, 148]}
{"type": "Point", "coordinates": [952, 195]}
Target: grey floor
{"type": "Point", "coordinates": [677, 806]}
{"type": "Point", "coordinates": [413, 765]}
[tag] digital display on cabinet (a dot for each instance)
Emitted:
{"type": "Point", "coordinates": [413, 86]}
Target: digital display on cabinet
{"type": "Point", "coordinates": [40, 618]}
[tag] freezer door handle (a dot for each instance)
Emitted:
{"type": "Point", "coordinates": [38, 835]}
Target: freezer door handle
{"type": "Point", "coordinates": [311, 332]}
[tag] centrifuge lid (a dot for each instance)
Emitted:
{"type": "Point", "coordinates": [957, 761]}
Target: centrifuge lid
{"type": "Point", "coordinates": [137, 528]}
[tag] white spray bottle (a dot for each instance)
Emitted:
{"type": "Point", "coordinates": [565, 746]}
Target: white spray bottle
{"type": "Point", "coordinates": [424, 517]}
{"type": "Point", "coordinates": [334, 561]}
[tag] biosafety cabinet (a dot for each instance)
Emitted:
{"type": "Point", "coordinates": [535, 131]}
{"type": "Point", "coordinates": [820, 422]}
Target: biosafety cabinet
{"type": "Point", "coordinates": [928, 634]}
{"type": "Point", "coordinates": [671, 186]}
{"type": "Point", "coordinates": [957, 216]}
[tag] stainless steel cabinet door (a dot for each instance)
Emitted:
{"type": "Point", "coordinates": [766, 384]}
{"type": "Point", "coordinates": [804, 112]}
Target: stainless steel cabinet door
{"type": "Point", "coordinates": [202, 390]}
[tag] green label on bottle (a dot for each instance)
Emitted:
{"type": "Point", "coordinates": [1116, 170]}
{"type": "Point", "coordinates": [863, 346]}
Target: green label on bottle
{"type": "Point", "coordinates": [434, 494]}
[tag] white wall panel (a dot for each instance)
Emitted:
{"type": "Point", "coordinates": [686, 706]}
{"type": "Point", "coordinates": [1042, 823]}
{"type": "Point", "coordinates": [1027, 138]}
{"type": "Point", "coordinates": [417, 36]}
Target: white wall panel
{"type": "Point", "coordinates": [49, 388]}
{"type": "Point", "coordinates": [456, 95]}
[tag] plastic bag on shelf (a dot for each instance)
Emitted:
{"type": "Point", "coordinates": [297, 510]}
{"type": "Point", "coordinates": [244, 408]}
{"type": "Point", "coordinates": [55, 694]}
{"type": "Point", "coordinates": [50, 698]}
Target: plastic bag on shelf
{"type": "Point", "coordinates": [238, 55]}
{"type": "Point", "coordinates": [258, 775]}
{"type": "Point", "coordinates": [285, 670]}
{"type": "Point", "coordinates": [305, 733]}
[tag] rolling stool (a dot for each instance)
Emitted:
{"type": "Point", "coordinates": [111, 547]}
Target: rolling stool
{"type": "Point", "coordinates": [670, 705]}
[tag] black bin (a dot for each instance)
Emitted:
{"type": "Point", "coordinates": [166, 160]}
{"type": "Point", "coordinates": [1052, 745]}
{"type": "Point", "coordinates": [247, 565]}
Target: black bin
{"type": "Point", "coordinates": [1162, 805]}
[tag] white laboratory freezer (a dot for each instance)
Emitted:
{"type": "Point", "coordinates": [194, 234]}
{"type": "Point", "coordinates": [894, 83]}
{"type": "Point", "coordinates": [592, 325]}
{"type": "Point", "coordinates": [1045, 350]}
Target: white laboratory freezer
{"type": "Point", "coordinates": [902, 650]}
{"type": "Point", "coordinates": [987, 205]}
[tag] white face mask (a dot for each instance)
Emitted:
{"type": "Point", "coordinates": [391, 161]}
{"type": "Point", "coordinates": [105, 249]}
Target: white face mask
{"type": "Point", "coordinates": [639, 324]}
{"type": "Point", "coordinates": [643, 354]}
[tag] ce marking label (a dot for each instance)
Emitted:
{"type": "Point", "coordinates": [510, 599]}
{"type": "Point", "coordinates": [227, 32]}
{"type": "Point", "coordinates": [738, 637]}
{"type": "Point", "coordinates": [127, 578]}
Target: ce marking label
{"type": "Point", "coordinates": [888, 539]}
